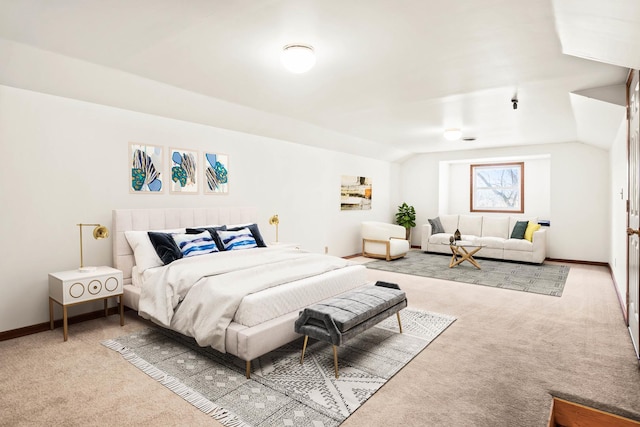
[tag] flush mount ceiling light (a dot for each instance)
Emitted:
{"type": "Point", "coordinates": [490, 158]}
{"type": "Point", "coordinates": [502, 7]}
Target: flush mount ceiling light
{"type": "Point", "coordinates": [452, 134]}
{"type": "Point", "coordinates": [298, 58]}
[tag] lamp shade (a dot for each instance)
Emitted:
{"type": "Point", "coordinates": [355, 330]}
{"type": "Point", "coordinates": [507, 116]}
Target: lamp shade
{"type": "Point", "coordinates": [100, 232]}
{"type": "Point", "coordinates": [298, 58]}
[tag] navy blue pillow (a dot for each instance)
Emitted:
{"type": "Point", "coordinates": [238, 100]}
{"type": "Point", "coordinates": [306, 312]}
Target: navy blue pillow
{"type": "Point", "coordinates": [254, 230]}
{"type": "Point", "coordinates": [519, 230]}
{"type": "Point", "coordinates": [165, 247]}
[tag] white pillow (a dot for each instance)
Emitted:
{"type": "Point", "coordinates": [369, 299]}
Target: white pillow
{"type": "Point", "coordinates": [143, 251]}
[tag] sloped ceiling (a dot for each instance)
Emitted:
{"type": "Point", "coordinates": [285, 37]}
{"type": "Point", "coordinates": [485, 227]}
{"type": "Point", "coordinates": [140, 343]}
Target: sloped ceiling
{"type": "Point", "coordinates": [390, 76]}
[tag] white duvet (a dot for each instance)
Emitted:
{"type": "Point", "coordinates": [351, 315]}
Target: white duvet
{"type": "Point", "coordinates": [199, 296]}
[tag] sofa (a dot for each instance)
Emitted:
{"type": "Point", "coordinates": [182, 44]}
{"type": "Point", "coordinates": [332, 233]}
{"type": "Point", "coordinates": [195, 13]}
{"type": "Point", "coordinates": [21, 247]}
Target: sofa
{"type": "Point", "coordinates": [527, 243]}
{"type": "Point", "coordinates": [384, 240]}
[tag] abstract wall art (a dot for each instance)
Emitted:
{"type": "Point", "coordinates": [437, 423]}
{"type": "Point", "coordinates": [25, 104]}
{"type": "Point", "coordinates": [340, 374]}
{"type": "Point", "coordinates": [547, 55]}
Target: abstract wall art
{"type": "Point", "coordinates": [184, 171]}
{"type": "Point", "coordinates": [355, 193]}
{"type": "Point", "coordinates": [216, 173]}
{"type": "Point", "coordinates": [145, 163]}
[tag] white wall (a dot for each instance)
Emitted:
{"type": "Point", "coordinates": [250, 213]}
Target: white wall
{"type": "Point", "coordinates": [457, 187]}
{"type": "Point", "coordinates": [579, 189]}
{"type": "Point", "coordinates": [66, 161]}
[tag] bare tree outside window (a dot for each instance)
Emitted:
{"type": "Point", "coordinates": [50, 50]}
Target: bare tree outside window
{"type": "Point", "coordinates": [497, 187]}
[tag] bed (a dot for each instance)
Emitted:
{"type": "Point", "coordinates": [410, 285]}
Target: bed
{"type": "Point", "coordinates": [242, 302]}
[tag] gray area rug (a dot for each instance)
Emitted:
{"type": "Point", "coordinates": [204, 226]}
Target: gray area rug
{"type": "Point", "coordinates": [281, 391]}
{"type": "Point", "coordinates": [546, 279]}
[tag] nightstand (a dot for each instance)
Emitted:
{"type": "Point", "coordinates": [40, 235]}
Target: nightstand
{"type": "Point", "coordinates": [73, 287]}
{"type": "Point", "coordinates": [284, 245]}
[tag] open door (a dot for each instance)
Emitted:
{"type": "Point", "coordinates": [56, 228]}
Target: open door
{"type": "Point", "coordinates": [633, 214]}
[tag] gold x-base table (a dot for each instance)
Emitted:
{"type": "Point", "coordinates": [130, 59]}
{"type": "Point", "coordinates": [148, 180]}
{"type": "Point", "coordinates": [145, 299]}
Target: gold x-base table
{"type": "Point", "coordinates": [461, 254]}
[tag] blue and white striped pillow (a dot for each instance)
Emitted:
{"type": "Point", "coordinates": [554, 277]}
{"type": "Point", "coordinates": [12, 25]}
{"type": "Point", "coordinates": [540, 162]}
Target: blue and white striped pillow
{"type": "Point", "coordinates": [237, 239]}
{"type": "Point", "coordinates": [195, 244]}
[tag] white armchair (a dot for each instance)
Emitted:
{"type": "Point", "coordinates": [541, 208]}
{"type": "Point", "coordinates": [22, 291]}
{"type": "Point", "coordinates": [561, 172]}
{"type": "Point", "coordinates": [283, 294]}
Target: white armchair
{"type": "Point", "coordinates": [383, 240]}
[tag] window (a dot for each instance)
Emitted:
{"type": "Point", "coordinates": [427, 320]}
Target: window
{"type": "Point", "coordinates": [497, 187]}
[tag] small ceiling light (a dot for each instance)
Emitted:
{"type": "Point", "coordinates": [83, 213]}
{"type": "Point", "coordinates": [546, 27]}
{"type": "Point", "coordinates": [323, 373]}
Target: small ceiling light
{"type": "Point", "coordinates": [298, 58]}
{"type": "Point", "coordinates": [452, 134]}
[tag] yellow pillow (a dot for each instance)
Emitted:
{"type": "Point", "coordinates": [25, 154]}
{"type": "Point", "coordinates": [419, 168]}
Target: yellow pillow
{"type": "Point", "coordinates": [531, 227]}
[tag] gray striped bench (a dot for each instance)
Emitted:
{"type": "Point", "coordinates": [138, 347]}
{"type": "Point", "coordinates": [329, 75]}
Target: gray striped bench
{"type": "Point", "coordinates": [337, 319]}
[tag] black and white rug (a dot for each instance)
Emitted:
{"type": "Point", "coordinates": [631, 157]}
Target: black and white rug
{"type": "Point", "coordinates": [281, 391]}
{"type": "Point", "coordinates": [546, 279]}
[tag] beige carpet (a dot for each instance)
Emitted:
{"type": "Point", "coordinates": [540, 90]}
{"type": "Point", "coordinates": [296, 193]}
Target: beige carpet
{"type": "Point", "coordinates": [495, 366]}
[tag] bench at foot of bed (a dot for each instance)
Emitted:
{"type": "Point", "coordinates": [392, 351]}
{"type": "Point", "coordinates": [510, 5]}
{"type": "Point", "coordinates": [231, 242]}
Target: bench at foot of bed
{"type": "Point", "coordinates": [339, 318]}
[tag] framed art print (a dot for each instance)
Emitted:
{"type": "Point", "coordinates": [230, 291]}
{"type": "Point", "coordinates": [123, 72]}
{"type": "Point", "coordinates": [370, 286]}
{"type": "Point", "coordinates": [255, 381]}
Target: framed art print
{"type": "Point", "coordinates": [145, 164]}
{"type": "Point", "coordinates": [216, 173]}
{"type": "Point", "coordinates": [184, 171]}
{"type": "Point", "coordinates": [355, 193]}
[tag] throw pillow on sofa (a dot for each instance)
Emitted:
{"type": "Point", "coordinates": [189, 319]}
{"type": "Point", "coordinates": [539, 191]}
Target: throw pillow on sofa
{"type": "Point", "coordinates": [531, 228]}
{"type": "Point", "coordinates": [436, 225]}
{"type": "Point", "coordinates": [519, 230]}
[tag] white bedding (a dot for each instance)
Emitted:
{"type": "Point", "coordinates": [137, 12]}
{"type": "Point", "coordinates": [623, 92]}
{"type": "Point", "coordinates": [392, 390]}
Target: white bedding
{"type": "Point", "coordinates": [199, 296]}
{"type": "Point", "coordinates": [278, 300]}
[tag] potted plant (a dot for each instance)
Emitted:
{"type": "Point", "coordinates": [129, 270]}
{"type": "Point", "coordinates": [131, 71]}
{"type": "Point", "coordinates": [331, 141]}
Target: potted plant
{"type": "Point", "coordinates": [406, 217]}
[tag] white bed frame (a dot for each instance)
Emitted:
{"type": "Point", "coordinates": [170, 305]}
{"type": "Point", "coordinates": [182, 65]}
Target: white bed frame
{"type": "Point", "coordinates": [247, 343]}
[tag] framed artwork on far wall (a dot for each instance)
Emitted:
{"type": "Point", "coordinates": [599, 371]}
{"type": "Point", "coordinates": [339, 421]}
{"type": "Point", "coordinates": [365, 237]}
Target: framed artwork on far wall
{"type": "Point", "coordinates": [355, 193]}
{"type": "Point", "coordinates": [216, 173]}
{"type": "Point", "coordinates": [146, 169]}
{"type": "Point", "coordinates": [184, 171]}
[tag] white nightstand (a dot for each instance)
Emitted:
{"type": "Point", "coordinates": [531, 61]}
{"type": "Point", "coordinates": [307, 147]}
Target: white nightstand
{"type": "Point", "coordinates": [75, 287]}
{"type": "Point", "coordinates": [284, 245]}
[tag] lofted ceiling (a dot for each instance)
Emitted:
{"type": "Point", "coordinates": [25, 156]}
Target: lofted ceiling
{"type": "Point", "coordinates": [393, 74]}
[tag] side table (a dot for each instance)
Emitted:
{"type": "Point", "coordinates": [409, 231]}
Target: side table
{"type": "Point", "coordinates": [73, 287]}
{"type": "Point", "coordinates": [460, 252]}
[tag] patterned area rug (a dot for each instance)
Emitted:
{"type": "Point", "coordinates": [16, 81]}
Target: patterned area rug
{"type": "Point", "coordinates": [281, 391]}
{"type": "Point", "coordinates": [546, 279]}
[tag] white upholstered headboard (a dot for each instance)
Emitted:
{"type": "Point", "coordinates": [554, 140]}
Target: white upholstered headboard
{"type": "Point", "coordinates": [162, 219]}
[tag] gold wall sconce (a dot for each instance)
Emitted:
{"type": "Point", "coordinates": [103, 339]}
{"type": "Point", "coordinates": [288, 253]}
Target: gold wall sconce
{"type": "Point", "coordinates": [274, 220]}
{"type": "Point", "coordinates": [99, 232]}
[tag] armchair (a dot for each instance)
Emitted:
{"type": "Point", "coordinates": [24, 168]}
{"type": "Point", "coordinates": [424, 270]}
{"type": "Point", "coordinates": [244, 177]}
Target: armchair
{"type": "Point", "coordinates": [383, 240]}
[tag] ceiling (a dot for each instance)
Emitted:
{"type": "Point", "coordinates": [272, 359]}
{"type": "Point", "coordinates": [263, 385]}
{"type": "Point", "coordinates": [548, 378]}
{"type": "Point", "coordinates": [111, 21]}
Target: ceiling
{"type": "Point", "coordinates": [393, 74]}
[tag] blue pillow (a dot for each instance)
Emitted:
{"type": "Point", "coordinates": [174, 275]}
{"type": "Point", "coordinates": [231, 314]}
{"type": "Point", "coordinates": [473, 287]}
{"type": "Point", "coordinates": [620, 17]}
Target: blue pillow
{"type": "Point", "coordinates": [237, 239]}
{"type": "Point", "coordinates": [255, 232]}
{"type": "Point", "coordinates": [165, 247]}
{"type": "Point", "coordinates": [195, 244]}
{"type": "Point", "coordinates": [212, 230]}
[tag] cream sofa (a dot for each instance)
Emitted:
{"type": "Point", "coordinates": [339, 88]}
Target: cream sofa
{"type": "Point", "coordinates": [493, 232]}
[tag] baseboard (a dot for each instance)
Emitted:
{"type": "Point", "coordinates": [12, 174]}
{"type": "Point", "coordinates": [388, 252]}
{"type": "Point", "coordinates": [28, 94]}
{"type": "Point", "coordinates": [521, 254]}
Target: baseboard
{"type": "Point", "coordinates": [576, 261]}
{"type": "Point", "coordinates": [622, 300]}
{"type": "Point", "coordinates": [42, 327]}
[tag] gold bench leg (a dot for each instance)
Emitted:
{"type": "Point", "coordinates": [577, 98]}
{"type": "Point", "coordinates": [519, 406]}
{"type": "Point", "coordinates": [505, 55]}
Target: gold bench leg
{"type": "Point", "coordinates": [304, 347]}
{"type": "Point", "coordinates": [399, 322]}
{"type": "Point", "coordinates": [335, 359]}
{"type": "Point", "coordinates": [248, 369]}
